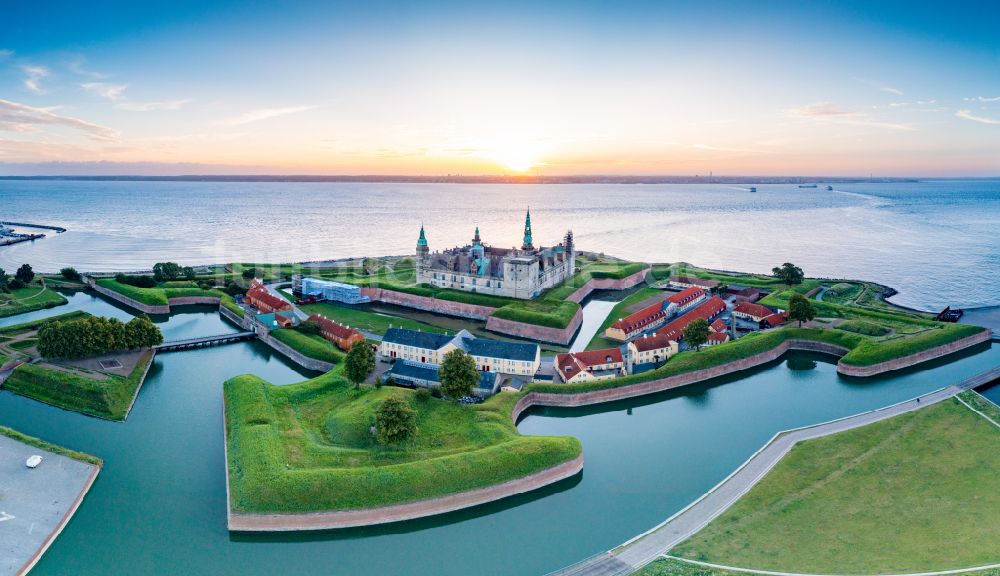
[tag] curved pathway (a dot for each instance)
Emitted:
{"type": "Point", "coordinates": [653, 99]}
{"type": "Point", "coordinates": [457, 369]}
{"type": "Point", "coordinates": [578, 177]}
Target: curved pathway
{"type": "Point", "coordinates": [646, 547]}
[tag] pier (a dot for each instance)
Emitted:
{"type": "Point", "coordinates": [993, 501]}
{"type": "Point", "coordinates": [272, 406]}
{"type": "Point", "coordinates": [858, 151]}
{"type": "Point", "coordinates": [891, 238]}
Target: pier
{"type": "Point", "coordinates": [204, 341]}
{"type": "Point", "coordinates": [57, 229]}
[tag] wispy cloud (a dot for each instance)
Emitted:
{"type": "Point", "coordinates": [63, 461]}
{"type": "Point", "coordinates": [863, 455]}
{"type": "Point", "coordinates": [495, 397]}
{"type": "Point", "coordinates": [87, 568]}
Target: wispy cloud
{"type": "Point", "coordinates": [881, 87]}
{"type": "Point", "coordinates": [111, 92]}
{"type": "Point", "coordinates": [116, 94]}
{"type": "Point", "coordinates": [982, 99]}
{"type": "Point", "coordinates": [76, 66]}
{"type": "Point", "coordinates": [6, 54]}
{"type": "Point", "coordinates": [968, 115]}
{"type": "Point", "coordinates": [830, 113]}
{"type": "Point", "coordinates": [153, 106]}
{"type": "Point", "coordinates": [33, 78]}
{"type": "Point", "coordinates": [264, 114]}
{"type": "Point", "coordinates": [14, 114]}
{"type": "Point", "coordinates": [914, 103]}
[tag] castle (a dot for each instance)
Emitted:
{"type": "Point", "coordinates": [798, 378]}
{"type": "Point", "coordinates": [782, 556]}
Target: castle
{"type": "Point", "coordinates": [515, 273]}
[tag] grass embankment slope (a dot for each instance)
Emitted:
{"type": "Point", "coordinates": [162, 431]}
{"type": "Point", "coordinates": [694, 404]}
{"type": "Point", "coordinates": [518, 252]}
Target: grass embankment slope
{"type": "Point", "coordinates": [307, 447]}
{"type": "Point", "coordinates": [672, 567]}
{"type": "Point", "coordinates": [621, 310]}
{"type": "Point", "coordinates": [161, 294]}
{"type": "Point", "coordinates": [365, 320]}
{"type": "Point", "coordinates": [310, 345]}
{"type": "Point", "coordinates": [49, 447]}
{"type": "Point", "coordinates": [103, 395]}
{"type": "Point", "coordinates": [917, 492]}
{"type": "Point", "coordinates": [29, 299]}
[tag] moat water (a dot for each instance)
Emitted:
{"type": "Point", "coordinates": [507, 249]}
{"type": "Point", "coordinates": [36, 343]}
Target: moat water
{"type": "Point", "coordinates": [935, 241]}
{"type": "Point", "coordinates": [158, 506]}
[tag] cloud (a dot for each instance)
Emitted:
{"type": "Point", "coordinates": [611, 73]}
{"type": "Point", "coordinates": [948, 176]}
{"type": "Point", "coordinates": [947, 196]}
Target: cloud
{"type": "Point", "coordinates": [34, 76]}
{"type": "Point", "coordinates": [982, 99]}
{"type": "Point", "coordinates": [112, 92]}
{"type": "Point", "coordinates": [830, 113]}
{"type": "Point", "coordinates": [25, 117]}
{"type": "Point", "coordinates": [116, 94]}
{"type": "Point", "coordinates": [153, 106]}
{"type": "Point", "coordinates": [76, 66]}
{"type": "Point", "coordinates": [264, 114]}
{"type": "Point", "coordinates": [6, 54]}
{"type": "Point", "coordinates": [968, 115]}
{"type": "Point", "coordinates": [881, 87]}
{"type": "Point", "coordinates": [914, 103]}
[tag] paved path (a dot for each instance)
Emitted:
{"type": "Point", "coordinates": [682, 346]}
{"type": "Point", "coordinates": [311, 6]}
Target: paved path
{"type": "Point", "coordinates": [644, 548]}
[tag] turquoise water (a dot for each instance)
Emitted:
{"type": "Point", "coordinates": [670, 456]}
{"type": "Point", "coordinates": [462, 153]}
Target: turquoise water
{"type": "Point", "coordinates": [936, 242]}
{"type": "Point", "coordinates": [159, 505]}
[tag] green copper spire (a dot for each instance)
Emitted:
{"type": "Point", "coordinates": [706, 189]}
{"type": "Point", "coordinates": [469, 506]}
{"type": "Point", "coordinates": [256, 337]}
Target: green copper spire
{"type": "Point", "coordinates": [475, 239]}
{"type": "Point", "coordinates": [527, 232]}
{"type": "Point", "coordinates": [422, 241]}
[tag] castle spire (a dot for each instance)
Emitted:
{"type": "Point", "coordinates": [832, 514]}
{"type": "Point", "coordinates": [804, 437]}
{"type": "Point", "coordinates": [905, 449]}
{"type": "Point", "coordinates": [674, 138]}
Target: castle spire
{"type": "Point", "coordinates": [527, 245]}
{"type": "Point", "coordinates": [422, 241]}
{"type": "Point", "coordinates": [475, 239]}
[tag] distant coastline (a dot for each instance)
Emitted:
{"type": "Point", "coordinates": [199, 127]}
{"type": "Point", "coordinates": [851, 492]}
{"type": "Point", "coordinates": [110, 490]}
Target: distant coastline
{"type": "Point", "coordinates": [497, 179]}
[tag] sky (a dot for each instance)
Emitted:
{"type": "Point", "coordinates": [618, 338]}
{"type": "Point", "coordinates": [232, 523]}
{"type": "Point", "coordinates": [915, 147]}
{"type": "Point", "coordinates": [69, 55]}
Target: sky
{"type": "Point", "coordinates": [555, 88]}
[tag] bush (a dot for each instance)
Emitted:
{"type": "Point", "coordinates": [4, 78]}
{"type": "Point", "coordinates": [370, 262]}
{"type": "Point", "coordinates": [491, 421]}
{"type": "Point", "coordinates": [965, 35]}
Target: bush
{"type": "Point", "coordinates": [423, 394]}
{"type": "Point", "coordinates": [863, 327]}
{"type": "Point", "coordinates": [16, 284]}
{"type": "Point", "coordinates": [137, 281]}
{"type": "Point", "coordinates": [395, 421]}
{"type": "Point", "coordinates": [94, 336]}
{"type": "Point", "coordinates": [70, 273]}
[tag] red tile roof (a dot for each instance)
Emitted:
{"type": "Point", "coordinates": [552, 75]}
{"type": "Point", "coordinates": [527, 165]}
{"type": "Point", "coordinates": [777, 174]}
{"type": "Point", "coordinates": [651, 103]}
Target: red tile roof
{"type": "Point", "coordinates": [335, 328]}
{"type": "Point", "coordinates": [574, 362]}
{"type": "Point", "coordinates": [708, 310]}
{"type": "Point", "coordinates": [753, 309]}
{"type": "Point", "coordinates": [653, 341]}
{"type": "Point", "coordinates": [718, 337]}
{"type": "Point", "coordinates": [719, 325]}
{"type": "Point", "coordinates": [694, 281]}
{"type": "Point", "coordinates": [650, 314]}
{"type": "Point", "coordinates": [775, 319]}
{"type": "Point", "coordinates": [259, 292]}
{"type": "Point", "coordinates": [686, 295]}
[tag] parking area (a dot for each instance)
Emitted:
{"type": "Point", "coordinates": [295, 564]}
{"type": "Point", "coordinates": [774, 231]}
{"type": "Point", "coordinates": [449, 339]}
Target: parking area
{"type": "Point", "coordinates": [35, 504]}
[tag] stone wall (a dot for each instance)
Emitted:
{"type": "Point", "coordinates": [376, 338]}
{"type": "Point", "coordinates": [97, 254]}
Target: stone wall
{"type": "Point", "coordinates": [426, 303]}
{"type": "Point", "coordinates": [366, 517]}
{"type": "Point", "coordinates": [670, 382]}
{"type": "Point", "coordinates": [294, 355]}
{"type": "Point", "coordinates": [917, 358]}
{"type": "Point", "coordinates": [534, 331]}
{"type": "Point", "coordinates": [191, 300]}
{"type": "Point", "coordinates": [608, 284]}
{"type": "Point", "coordinates": [244, 322]}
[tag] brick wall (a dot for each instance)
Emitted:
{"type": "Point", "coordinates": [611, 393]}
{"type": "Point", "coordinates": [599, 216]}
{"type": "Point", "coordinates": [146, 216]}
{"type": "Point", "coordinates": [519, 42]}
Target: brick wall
{"type": "Point", "coordinates": [608, 284]}
{"type": "Point", "coordinates": [534, 331]}
{"type": "Point", "coordinates": [917, 358]}
{"type": "Point", "coordinates": [426, 303]}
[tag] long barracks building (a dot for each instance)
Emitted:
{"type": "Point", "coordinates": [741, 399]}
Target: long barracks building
{"type": "Point", "coordinates": [428, 348]}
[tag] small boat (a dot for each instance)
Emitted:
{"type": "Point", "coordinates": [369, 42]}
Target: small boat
{"type": "Point", "coordinates": [829, 188]}
{"type": "Point", "coordinates": [33, 461]}
{"type": "Point", "coordinates": [807, 185]}
{"type": "Point", "coordinates": [753, 188]}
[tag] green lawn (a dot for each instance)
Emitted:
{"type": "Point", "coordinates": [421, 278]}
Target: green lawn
{"type": "Point", "coordinates": [311, 345]}
{"type": "Point", "coordinates": [29, 299]}
{"type": "Point", "coordinates": [108, 397]}
{"type": "Point", "coordinates": [918, 492]}
{"type": "Point", "coordinates": [367, 321]}
{"type": "Point", "coordinates": [49, 447]}
{"type": "Point", "coordinates": [671, 567]}
{"type": "Point", "coordinates": [620, 310]}
{"type": "Point", "coordinates": [307, 447]}
{"type": "Point", "coordinates": [160, 295]}
{"type": "Point", "coordinates": [16, 329]}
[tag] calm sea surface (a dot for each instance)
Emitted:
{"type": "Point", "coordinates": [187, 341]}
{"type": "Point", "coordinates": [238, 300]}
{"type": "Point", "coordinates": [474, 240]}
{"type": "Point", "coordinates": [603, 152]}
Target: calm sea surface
{"type": "Point", "coordinates": [936, 242]}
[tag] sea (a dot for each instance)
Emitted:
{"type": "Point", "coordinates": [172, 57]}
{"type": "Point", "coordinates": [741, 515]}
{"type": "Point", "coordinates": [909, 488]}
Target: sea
{"type": "Point", "coordinates": [936, 242]}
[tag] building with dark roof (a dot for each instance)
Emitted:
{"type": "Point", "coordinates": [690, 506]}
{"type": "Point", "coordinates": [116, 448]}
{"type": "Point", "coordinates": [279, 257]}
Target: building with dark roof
{"type": "Point", "coordinates": [505, 357]}
{"type": "Point", "coordinates": [691, 281]}
{"type": "Point", "coordinates": [405, 373]}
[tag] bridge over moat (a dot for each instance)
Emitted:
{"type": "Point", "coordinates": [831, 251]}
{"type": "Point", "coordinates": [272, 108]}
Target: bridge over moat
{"type": "Point", "coordinates": [204, 341]}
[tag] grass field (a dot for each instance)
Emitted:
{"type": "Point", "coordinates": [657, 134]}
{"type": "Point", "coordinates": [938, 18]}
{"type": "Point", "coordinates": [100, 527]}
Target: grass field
{"type": "Point", "coordinates": [29, 299]}
{"type": "Point", "coordinates": [672, 567]}
{"type": "Point", "coordinates": [311, 345]}
{"type": "Point", "coordinates": [917, 492]}
{"type": "Point", "coordinates": [161, 294]}
{"type": "Point", "coordinates": [307, 447]}
{"type": "Point", "coordinates": [108, 397]}
{"type": "Point", "coordinates": [35, 324]}
{"type": "Point", "coordinates": [49, 447]}
{"type": "Point", "coordinates": [367, 321]}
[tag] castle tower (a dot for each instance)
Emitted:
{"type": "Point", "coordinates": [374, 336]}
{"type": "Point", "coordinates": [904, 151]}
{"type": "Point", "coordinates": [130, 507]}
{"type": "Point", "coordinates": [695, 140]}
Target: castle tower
{"type": "Point", "coordinates": [476, 241]}
{"type": "Point", "coordinates": [423, 251]}
{"type": "Point", "coordinates": [527, 245]}
{"type": "Point", "coordinates": [570, 254]}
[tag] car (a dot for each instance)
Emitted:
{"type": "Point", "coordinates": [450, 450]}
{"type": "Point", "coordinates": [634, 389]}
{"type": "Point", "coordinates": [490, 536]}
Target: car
{"type": "Point", "coordinates": [33, 461]}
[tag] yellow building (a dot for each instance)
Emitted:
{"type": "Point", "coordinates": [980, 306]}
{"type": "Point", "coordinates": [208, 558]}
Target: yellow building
{"type": "Point", "coordinates": [516, 358]}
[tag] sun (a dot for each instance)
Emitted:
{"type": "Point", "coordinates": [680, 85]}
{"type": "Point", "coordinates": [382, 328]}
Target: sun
{"type": "Point", "coordinates": [518, 162]}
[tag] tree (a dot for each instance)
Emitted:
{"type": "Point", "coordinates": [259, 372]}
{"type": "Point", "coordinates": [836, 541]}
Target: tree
{"type": "Point", "coordinates": [310, 327]}
{"type": "Point", "coordinates": [3, 280]}
{"type": "Point", "coordinates": [140, 332]}
{"type": "Point", "coordinates": [458, 374]}
{"type": "Point", "coordinates": [801, 309]}
{"type": "Point", "coordinates": [249, 273]}
{"type": "Point", "coordinates": [188, 273]}
{"type": "Point", "coordinates": [70, 273]}
{"type": "Point", "coordinates": [788, 273]}
{"type": "Point", "coordinates": [164, 271]}
{"type": "Point", "coordinates": [359, 364]}
{"type": "Point", "coordinates": [696, 333]}
{"type": "Point", "coordinates": [25, 274]}
{"type": "Point", "coordinates": [395, 421]}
